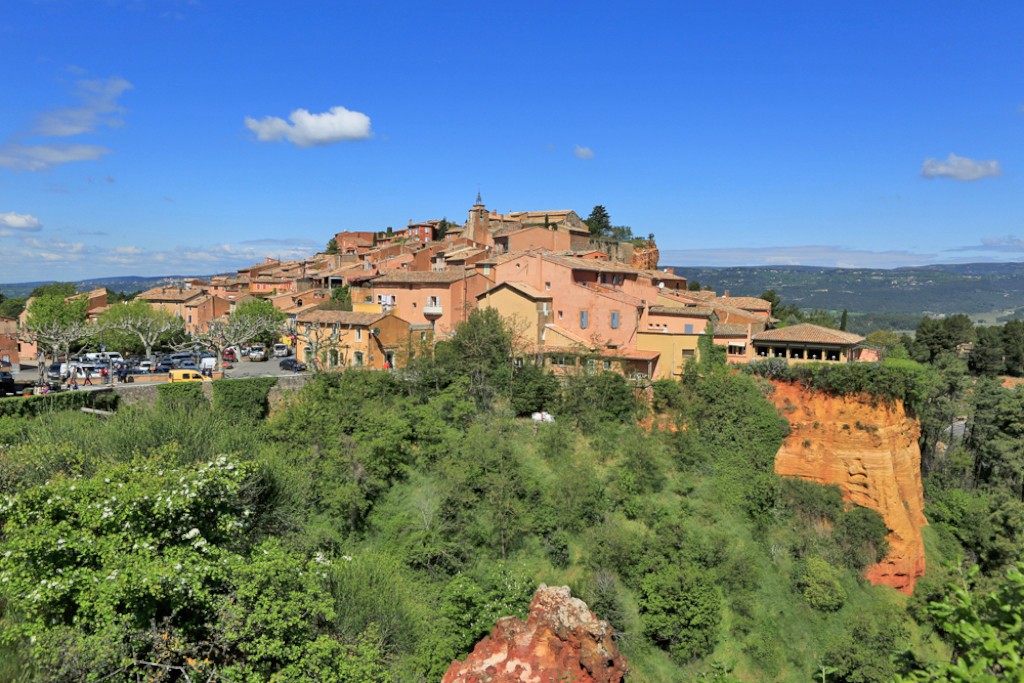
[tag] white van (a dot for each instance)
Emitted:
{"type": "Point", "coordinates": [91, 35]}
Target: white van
{"type": "Point", "coordinates": [282, 351]}
{"type": "Point", "coordinates": [207, 363]}
{"type": "Point", "coordinates": [82, 370]}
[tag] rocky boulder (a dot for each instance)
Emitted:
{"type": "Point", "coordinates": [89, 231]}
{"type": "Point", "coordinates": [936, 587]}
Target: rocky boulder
{"type": "Point", "coordinates": [561, 640]}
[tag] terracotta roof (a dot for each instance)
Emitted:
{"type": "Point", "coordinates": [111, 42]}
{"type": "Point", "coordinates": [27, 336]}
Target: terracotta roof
{"type": "Point", "coordinates": [683, 311]}
{"type": "Point", "coordinates": [421, 276]}
{"type": "Point", "coordinates": [810, 334]}
{"type": "Point", "coordinates": [630, 354]}
{"type": "Point", "coordinates": [519, 287]}
{"type": "Point", "coordinates": [170, 294]}
{"type": "Point", "coordinates": [731, 329]}
{"type": "Point", "coordinates": [339, 317]}
{"type": "Point", "coordinates": [575, 338]}
{"type": "Point", "coordinates": [616, 295]}
{"type": "Point", "coordinates": [748, 303]}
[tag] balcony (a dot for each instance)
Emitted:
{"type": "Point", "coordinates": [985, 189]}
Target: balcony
{"type": "Point", "coordinates": [433, 310]}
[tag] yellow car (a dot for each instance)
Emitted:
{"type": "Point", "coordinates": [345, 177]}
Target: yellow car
{"type": "Point", "coordinates": [186, 376]}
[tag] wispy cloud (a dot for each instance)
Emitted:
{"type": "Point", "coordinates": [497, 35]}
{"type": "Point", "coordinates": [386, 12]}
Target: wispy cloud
{"type": "Point", "coordinates": [960, 168]}
{"type": "Point", "coordinates": [1007, 243]}
{"type": "Point", "coordinates": [582, 152]}
{"type": "Point", "coordinates": [44, 157]}
{"type": "Point", "coordinates": [288, 241]}
{"type": "Point", "coordinates": [20, 221]}
{"type": "Point", "coordinates": [312, 130]}
{"type": "Point", "coordinates": [84, 259]}
{"type": "Point", "coordinates": [97, 107]}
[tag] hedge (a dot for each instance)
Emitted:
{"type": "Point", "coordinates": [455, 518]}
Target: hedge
{"type": "Point", "coordinates": [894, 379]}
{"type": "Point", "coordinates": [187, 395]}
{"type": "Point", "coordinates": [30, 406]}
{"type": "Point", "coordinates": [244, 399]}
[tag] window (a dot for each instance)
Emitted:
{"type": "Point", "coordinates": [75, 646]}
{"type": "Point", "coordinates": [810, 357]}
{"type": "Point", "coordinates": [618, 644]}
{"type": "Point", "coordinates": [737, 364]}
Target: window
{"type": "Point", "coordinates": [359, 335]}
{"type": "Point", "coordinates": [487, 270]}
{"type": "Point", "coordinates": [547, 286]}
{"type": "Point", "coordinates": [584, 320]}
{"type": "Point", "coordinates": [688, 328]}
{"type": "Point", "coordinates": [688, 353]}
{"type": "Point", "coordinates": [560, 315]}
{"type": "Point", "coordinates": [615, 320]}
{"type": "Point", "coordinates": [607, 365]}
{"type": "Point", "coordinates": [359, 358]}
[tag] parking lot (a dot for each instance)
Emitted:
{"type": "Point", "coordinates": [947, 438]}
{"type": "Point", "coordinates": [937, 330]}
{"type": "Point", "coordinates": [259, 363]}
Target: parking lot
{"type": "Point", "coordinates": [244, 368]}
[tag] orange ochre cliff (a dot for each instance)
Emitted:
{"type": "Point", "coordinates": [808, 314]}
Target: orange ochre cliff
{"type": "Point", "coordinates": [561, 640]}
{"type": "Point", "coordinates": [870, 450]}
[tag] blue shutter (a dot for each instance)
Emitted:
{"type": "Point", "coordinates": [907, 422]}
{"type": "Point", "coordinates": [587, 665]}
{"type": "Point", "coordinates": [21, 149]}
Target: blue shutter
{"type": "Point", "coordinates": [615, 320]}
{"type": "Point", "coordinates": [583, 320]}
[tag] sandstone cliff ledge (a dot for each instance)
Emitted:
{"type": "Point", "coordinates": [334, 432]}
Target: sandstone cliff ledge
{"type": "Point", "coordinates": [871, 452]}
{"type": "Point", "coordinates": [561, 640]}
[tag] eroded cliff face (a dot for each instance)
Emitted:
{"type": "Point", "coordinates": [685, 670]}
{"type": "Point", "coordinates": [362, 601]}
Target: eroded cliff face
{"type": "Point", "coordinates": [871, 452]}
{"type": "Point", "coordinates": [561, 640]}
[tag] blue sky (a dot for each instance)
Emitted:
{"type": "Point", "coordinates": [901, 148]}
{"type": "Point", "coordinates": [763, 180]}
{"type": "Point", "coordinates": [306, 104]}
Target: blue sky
{"type": "Point", "coordinates": [173, 136]}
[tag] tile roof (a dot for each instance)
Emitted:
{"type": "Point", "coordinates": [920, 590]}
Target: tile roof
{"type": "Point", "coordinates": [733, 329]}
{"type": "Point", "coordinates": [339, 317]}
{"type": "Point", "coordinates": [520, 287]}
{"type": "Point", "coordinates": [684, 311]}
{"type": "Point", "coordinates": [747, 303]}
{"type": "Point", "coordinates": [810, 334]}
{"type": "Point", "coordinates": [178, 294]}
{"type": "Point", "coordinates": [421, 276]}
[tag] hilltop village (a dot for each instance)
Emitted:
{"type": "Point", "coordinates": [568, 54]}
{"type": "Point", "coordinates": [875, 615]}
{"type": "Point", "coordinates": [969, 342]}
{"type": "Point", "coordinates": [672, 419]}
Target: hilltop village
{"type": "Point", "coordinates": [573, 298]}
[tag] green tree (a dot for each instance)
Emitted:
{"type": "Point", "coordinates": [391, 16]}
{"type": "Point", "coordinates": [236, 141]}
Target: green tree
{"type": "Point", "coordinates": [680, 610]}
{"type": "Point", "coordinates": [693, 286]}
{"type": "Point", "coordinates": [843, 320]}
{"type": "Point", "coordinates": [124, 326]}
{"type": "Point", "coordinates": [820, 586]}
{"type": "Point", "coordinates": [599, 222]}
{"type": "Point", "coordinates": [985, 629]}
{"type": "Point", "coordinates": [481, 351]}
{"type": "Point", "coordinates": [255, 320]}
{"type": "Point", "coordinates": [61, 289]}
{"type": "Point", "coordinates": [12, 307]}
{"type": "Point", "coordinates": [58, 324]}
{"type": "Point", "coordinates": [332, 247]}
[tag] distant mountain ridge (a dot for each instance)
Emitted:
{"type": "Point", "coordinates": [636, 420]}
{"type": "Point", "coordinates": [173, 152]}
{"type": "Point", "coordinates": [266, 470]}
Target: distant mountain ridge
{"type": "Point", "coordinates": [125, 283]}
{"type": "Point", "coordinates": [970, 288]}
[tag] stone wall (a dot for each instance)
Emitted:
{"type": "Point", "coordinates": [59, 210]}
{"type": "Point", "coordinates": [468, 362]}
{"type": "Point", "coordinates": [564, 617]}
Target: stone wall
{"type": "Point", "coordinates": [145, 394]}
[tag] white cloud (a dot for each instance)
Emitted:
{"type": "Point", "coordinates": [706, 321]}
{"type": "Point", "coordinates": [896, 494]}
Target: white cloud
{"type": "Point", "coordinates": [20, 221]}
{"type": "Point", "coordinates": [98, 108]}
{"type": "Point", "coordinates": [44, 157]}
{"type": "Point", "coordinates": [582, 152]}
{"type": "Point", "coordinates": [960, 168]}
{"type": "Point", "coordinates": [312, 130]}
{"type": "Point", "coordinates": [1007, 243]}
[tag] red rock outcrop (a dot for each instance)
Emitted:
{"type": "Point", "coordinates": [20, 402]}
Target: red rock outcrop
{"type": "Point", "coordinates": [646, 257]}
{"type": "Point", "coordinates": [561, 640]}
{"type": "Point", "coordinates": [870, 450]}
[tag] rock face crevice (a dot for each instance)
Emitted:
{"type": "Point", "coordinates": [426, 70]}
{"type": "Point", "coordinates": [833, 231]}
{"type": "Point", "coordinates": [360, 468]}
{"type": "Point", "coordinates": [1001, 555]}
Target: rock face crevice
{"type": "Point", "coordinates": [870, 450]}
{"type": "Point", "coordinates": [561, 640]}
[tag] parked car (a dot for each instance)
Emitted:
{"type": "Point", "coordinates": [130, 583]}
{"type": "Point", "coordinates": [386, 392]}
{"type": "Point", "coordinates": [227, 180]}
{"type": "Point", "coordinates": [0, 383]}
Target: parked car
{"type": "Point", "coordinates": [187, 364]}
{"type": "Point", "coordinates": [282, 351]}
{"type": "Point", "coordinates": [257, 352]}
{"type": "Point", "coordinates": [186, 376]}
{"type": "Point", "coordinates": [7, 385]}
{"type": "Point", "coordinates": [229, 355]}
{"type": "Point", "coordinates": [293, 365]}
{"type": "Point", "coordinates": [53, 371]}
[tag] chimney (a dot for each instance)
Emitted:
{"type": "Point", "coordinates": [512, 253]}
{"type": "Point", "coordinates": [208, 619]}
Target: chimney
{"type": "Point", "coordinates": [726, 293]}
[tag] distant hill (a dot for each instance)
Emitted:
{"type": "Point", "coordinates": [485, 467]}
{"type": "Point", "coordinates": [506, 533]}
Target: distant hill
{"type": "Point", "coordinates": [978, 289]}
{"type": "Point", "coordinates": [126, 283]}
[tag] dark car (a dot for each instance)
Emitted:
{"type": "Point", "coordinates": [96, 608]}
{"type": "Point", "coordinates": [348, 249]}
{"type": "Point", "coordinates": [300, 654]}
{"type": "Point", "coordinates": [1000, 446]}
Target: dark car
{"type": "Point", "coordinates": [293, 365]}
{"type": "Point", "coordinates": [53, 372]}
{"type": "Point", "coordinates": [6, 383]}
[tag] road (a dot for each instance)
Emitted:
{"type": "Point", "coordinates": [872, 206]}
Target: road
{"type": "Point", "coordinates": [269, 368]}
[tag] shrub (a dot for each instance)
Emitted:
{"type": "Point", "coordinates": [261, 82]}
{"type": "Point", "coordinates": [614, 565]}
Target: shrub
{"type": "Point", "coordinates": [243, 399]}
{"type": "Point", "coordinates": [861, 534]}
{"type": "Point", "coordinates": [183, 395]}
{"type": "Point", "coordinates": [533, 390]}
{"type": "Point", "coordinates": [29, 406]}
{"type": "Point", "coordinates": [681, 611]}
{"type": "Point", "coordinates": [819, 584]}
{"type": "Point", "coordinates": [668, 395]}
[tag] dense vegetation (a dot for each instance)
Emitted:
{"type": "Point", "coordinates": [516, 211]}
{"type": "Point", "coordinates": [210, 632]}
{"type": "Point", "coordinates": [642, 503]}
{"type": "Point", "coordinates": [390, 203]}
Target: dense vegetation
{"type": "Point", "coordinates": [375, 525]}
